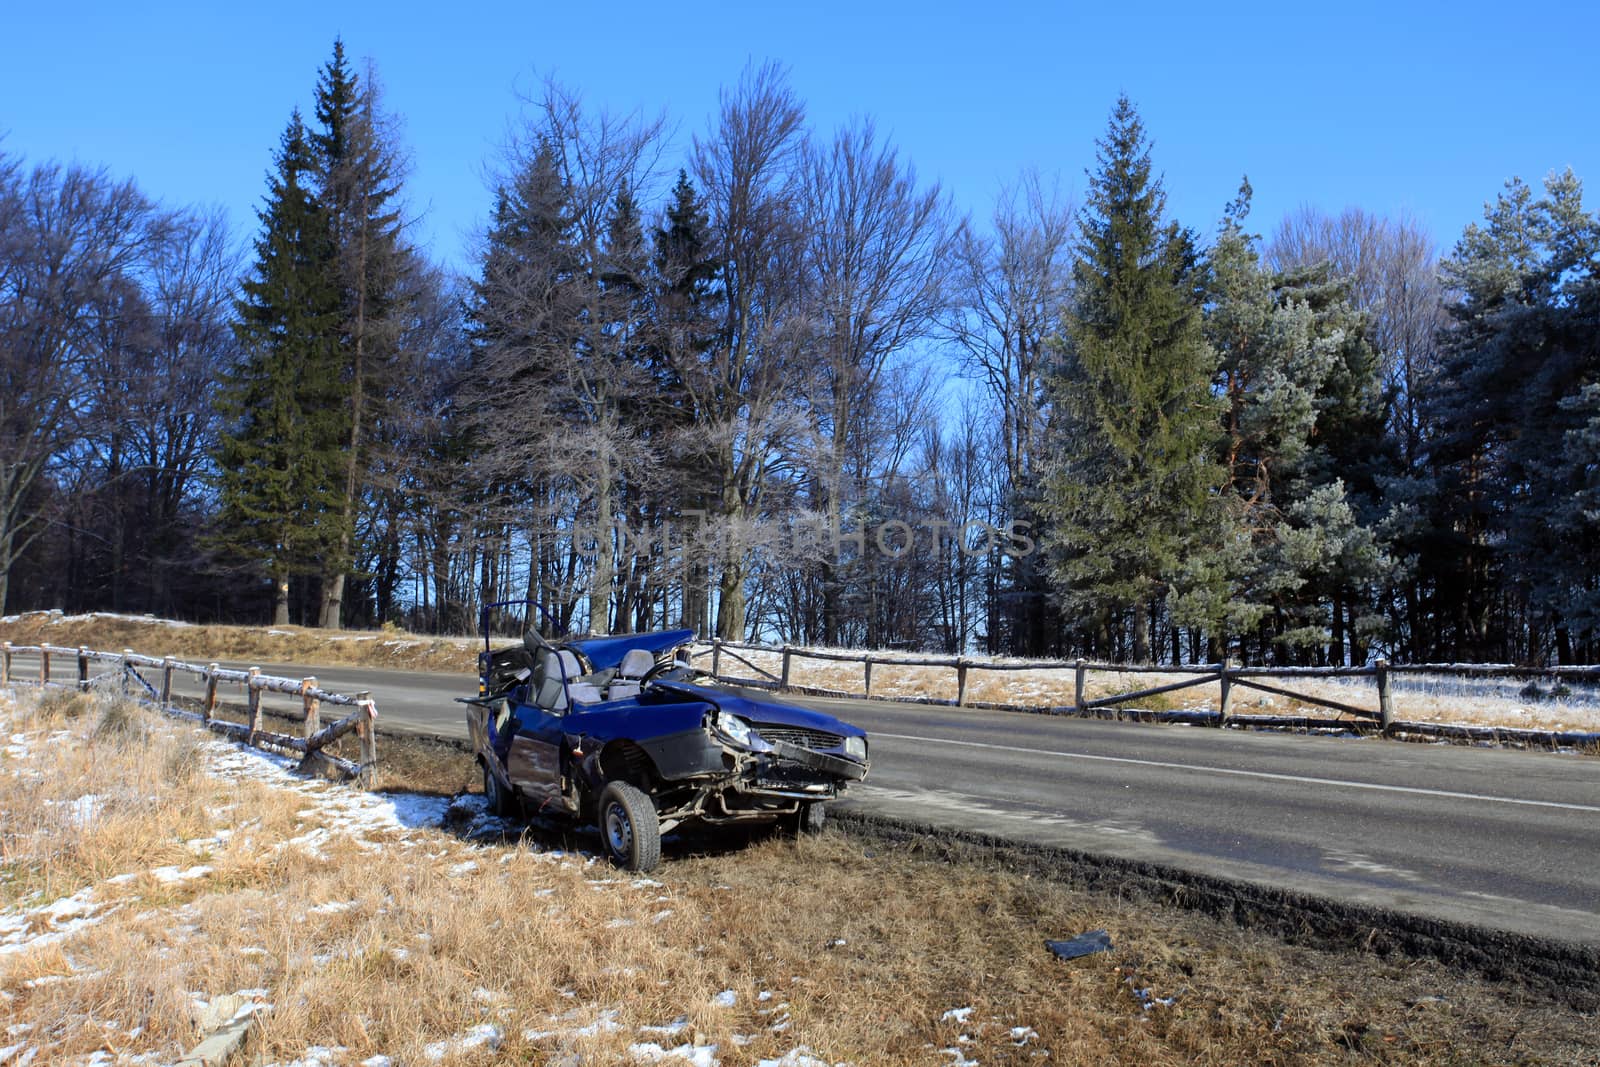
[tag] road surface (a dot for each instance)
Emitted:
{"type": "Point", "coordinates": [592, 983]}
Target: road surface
{"type": "Point", "coordinates": [1493, 837]}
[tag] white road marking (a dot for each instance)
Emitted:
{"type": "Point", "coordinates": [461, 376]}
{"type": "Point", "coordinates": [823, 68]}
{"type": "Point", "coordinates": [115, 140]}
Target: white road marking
{"type": "Point", "coordinates": [1340, 782]}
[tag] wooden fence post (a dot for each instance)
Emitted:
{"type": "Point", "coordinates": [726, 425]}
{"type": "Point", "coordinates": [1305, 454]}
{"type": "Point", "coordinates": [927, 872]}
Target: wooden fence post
{"type": "Point", "coordinates": [716, 657]}
{"type": "Point", "coordinates": [253, 690]}
{"type": "Point", "coordinates": [5, 664]}
{"type": "Point", "coordinates": [209, 709]}
{"type": "Point", "coordinates": [83, 669]}
{"type": "Point", "coordinates": [312, 705]}
{"type": "Point", "coordinates": [961, 682]}
{"type": "Point", "coordinates": [127, 668]}
{"type": "Point", "coordinates": [784, 683]}
{"type": "Point", "coordinates": [1226, 707]}
{"type": "Point", "coordinates": [166, 680]}
{"type": "Point", "coordinates": [1385, 704]}
{"type": "Point", "coordinates": [44, 666]}
{"type": "Point", "coordinates": [868, 664]}
{"type": "Point", "coordinates": [1077, 687]}
{"type": "Point", "coordinates": [367, 732]}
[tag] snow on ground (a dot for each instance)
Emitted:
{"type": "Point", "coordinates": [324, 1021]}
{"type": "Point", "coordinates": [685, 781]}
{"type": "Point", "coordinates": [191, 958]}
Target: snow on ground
{"type": "Point", "coordinates": [58, 619]}
{"type": "Point", "coordinates": [372, 820]}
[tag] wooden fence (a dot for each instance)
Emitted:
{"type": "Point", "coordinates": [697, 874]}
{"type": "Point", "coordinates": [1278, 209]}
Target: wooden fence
{"type": "Point", "coordinates": [312, 747]}
{"type": "Point", "coordinates": [1229, 676]}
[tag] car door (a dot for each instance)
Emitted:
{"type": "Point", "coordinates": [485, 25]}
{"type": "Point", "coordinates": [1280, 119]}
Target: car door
{"type": "Point", "coordinates": [534, 759]}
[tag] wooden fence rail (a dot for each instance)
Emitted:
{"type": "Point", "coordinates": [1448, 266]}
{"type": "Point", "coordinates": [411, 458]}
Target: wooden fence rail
{"type": "Point", "coordinates": [1228, 675]}
{"type": "Point", "coordinates": [311, 747]}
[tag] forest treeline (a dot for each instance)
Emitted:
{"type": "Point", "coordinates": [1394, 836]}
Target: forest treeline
{"type": "Point", "coordinates": [772, 384]}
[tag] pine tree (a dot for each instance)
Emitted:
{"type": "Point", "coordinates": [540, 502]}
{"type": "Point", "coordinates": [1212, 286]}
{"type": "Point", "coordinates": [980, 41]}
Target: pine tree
{"type": "Point", "coordinates": [523, 316]}
{"type": "Point", "coordinates": [1303, 423]}
{"type": "Point", "coordinates": [357, 181]}
{"type": "Point", "coordinates": [277, 459]}
{"type": "Point", "coordinates": [1509, 403]}
{"type": "Point", "coordinates": [686, 301]}
{"type": "Point", "coordinates": [1134, 425]}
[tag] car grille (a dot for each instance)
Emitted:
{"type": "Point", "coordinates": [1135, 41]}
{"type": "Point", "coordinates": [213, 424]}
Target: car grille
{"type": "Point", "coordinates": [816, 740]}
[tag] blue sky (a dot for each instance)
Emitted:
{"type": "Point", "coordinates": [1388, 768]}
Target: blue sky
{"type": "Point", "coordinates": [1396, 107]}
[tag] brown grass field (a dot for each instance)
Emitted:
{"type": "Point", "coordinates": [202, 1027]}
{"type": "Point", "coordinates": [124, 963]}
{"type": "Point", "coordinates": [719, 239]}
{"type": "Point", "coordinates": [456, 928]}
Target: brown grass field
{"type": "Point", "coordinates": [363, 930]}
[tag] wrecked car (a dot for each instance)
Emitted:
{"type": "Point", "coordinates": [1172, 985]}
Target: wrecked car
{"type": "Point", "coordinates": [624, 733]}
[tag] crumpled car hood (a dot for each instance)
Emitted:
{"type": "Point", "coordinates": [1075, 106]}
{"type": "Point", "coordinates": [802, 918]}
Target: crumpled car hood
{"type": "Point", "coordinates": [766, 710]}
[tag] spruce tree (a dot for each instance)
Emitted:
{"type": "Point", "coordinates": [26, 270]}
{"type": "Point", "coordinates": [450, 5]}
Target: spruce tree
{"type": "Point", "coordinates": [1133, 475]}
{"type": "Point", "coordinates": [278, 456]}
{"type": "Point", "coordinates": [687, 310]}
{"type": "Point", "coordinates": [357, 181]}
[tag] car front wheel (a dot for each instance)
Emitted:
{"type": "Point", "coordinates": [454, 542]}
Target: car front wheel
{"type": "Point", "coordinates": [629, 827]}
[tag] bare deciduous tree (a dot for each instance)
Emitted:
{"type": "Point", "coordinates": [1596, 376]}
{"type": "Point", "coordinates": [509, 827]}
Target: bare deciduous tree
{"type": "Point", "coordinates": [1014, 287]}
{"type": "Point", "coordinates": [879, 252]}
{"type": "Point", "coordinates": [69, 238]}
{"type": "Point", "coordinates": [745, 391]}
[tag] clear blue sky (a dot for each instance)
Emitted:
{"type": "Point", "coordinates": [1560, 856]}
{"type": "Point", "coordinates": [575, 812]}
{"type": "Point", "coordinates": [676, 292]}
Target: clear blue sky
{"type": "Point", "coordinates": [1393, 107]}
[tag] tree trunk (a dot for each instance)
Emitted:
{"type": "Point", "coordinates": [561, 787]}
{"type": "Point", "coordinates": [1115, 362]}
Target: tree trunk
{"type": "Point", "coordinates": [280, 600]}
{"type": "Point", "coordinates": [1141, 632]}
{"type": "Point", "coordinates": [604, 559]}
{"type": "Point", "coordinates": [730, 597]}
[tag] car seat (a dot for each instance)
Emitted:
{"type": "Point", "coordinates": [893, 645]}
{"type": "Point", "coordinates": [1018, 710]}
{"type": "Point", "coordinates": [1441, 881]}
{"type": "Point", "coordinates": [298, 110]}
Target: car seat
{"type": "Point", "coordinates": [557, 666]}
{"type": "Point", "coordinates": [636, 663]}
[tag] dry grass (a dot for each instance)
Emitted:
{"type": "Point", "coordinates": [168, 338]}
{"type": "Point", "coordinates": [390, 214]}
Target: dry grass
{"type": "Point", "coordinates": [377, 937]}
{"type": "Point", "coordinates": [388, 647]}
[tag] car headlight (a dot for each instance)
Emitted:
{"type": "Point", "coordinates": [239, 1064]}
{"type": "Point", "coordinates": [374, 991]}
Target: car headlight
{"type": "Point", "coordinates": [734, 728]}
{"type": "Point", "coordinates": [856, 748]}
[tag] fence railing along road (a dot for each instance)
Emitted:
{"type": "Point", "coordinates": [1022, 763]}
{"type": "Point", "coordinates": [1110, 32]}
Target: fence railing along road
{"type": "Point", "coordinates": [1226, 675]}
{"type": "Point", "coordinates": [312, 747]}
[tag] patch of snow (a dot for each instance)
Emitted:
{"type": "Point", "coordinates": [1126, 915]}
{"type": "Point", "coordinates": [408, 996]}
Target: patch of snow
{"type": "Point", "coordinates": [462, 868]}
{"type": "Point", "coordinates": [332, 907]}
{"type": "Point", "coordinates": [83, 811]}
{"type": "Point", "coordinates": [959, 1015]}
{"type": "Point", "coordinates": [171, 875]}
{"type": "Point", "coordinates": [672, 1029]}
{"type": "Point", "coordinates": [795, 1057]}
{"type": "Point", "coordinates": [959, 1058]}
{"type": "Point", "coordinates": [698, 1055]}
{"type": "Point", "coordinates": [605, 1023]}
{"type": "Point", "coordinates": [725, 999]}
{"type": "Point", "coordinates": [318, 1056]}
{"type": "Point", "coordinates": [486, 1036]}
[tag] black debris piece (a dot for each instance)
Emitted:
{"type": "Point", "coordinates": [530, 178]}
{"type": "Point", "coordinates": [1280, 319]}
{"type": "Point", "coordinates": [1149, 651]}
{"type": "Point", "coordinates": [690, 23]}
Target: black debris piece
{"type": "Point", "coordinates": [1082, 945]}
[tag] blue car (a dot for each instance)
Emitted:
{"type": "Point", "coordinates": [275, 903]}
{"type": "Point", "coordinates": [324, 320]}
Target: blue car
{"type": "Point", "coordinates": [623, 732]}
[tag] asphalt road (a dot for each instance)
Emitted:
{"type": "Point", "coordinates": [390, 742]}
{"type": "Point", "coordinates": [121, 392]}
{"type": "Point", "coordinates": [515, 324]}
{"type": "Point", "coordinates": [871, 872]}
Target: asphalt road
{"type": "Point", "coordinates": [1494, 837]}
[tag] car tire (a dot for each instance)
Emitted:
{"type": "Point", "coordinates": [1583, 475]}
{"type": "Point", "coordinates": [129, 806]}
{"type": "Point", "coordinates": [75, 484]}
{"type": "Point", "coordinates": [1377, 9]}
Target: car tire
{"type": "Point", "coordinates": [494, 795]}
{"type": "Point", "coordinates": [811, 818]}
{"type": "Point", "coordinates": [629, 827]}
